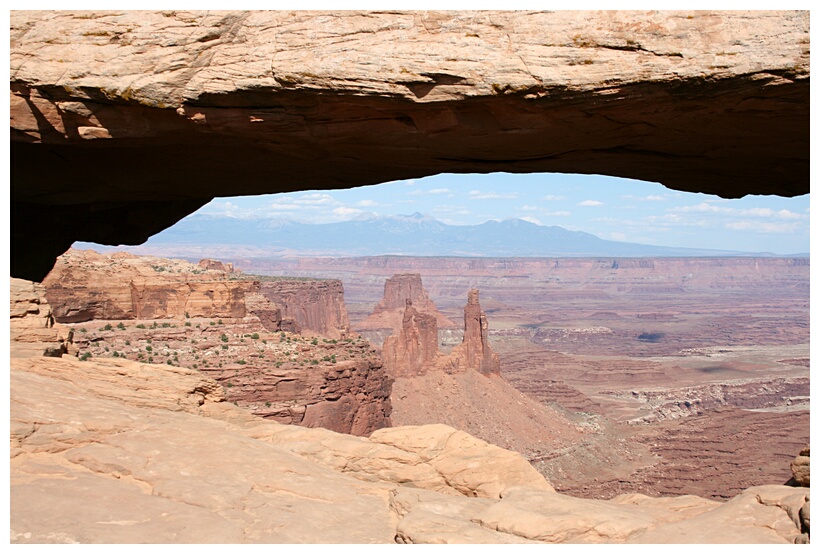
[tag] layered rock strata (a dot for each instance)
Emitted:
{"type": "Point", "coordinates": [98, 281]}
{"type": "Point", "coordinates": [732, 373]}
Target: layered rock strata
{"type": "Point", "coordinates": [144, 453]}
{"type": "Point", "coordinates": [170, 103]}
{"type": "Point", "coordinates": [248, 342]}
{"type": "Point", "coordinates": [313, 306]}
{"type": "Point", "coordinates": [86, 285]}
{"type": "Point", "coordinates": [32, 329]}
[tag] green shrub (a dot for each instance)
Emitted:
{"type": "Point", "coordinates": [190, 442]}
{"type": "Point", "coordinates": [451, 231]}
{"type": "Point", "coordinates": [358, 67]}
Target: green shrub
{"type": "Point", "coordinates": [224, 337]}
{"type": "Point", "coordinates": [140, 326]}
{"type": "Point", "coordinates": [255, 336]}
{"type": "Point", "coordinates": [121, 326]}
{"type": "Point", "coordinates": [241, 362]}
{"type": "Point", "coordinates": [85, 356]}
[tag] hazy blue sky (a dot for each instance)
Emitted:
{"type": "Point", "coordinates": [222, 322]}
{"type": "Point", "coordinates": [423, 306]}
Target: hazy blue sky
{"type": "Point", "coordinates": [609, 207]}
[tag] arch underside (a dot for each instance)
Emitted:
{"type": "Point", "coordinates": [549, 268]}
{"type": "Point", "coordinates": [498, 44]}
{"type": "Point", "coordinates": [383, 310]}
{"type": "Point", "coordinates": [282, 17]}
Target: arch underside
{"type": "Point", "coordinates": [116, 168]}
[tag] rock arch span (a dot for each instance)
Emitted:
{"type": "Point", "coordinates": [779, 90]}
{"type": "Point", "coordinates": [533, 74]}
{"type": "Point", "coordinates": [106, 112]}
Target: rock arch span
{"type": "Point", "coordinates": [124, 122]}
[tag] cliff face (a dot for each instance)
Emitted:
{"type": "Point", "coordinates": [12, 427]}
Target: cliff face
{"type": "Point", "coordinates": [85, 285]}
{"type": "Point", "coordinates": [398, 290]}
{"type": "Point", "coordinates": [256, 351]}
{"type": "Point", "coordinates": [32, 329]}
{"type": "Point", "coordinates": [313, 306]}
{"type": "Point", "coordinates": [338, 386]}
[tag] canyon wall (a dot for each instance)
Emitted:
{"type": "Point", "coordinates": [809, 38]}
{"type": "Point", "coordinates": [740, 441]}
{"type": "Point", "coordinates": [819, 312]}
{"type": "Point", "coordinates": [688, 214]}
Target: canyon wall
{"type": "Point", "coordinates": [86, 285]}
{"type": "Point", "coordinates": [248, 333]}
{"type": "Point", "coordinates": [314, 306]}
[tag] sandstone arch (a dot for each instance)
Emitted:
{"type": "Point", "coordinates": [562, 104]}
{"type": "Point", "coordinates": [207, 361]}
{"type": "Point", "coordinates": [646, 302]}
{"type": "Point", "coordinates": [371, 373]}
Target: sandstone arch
{"type": "Point", "coordinates": [124, 122]}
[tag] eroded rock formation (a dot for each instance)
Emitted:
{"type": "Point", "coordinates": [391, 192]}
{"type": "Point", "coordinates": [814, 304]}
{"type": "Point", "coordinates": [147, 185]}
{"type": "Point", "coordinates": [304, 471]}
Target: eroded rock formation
{"type": "Point", "coordinates": [32, 328]}
{"type": "Point", "coordinates": [475, 352]}
{"type": "Point", "coordinates": [108, 463]}
{"type": "Point", "coordinates": [170, 103]}
{"type": "Point", "coordinates": [413, 348]}
{"type": "Point", "coordinates": [196, 316]}
{"type": "Point", "coordinates": [390, 311]}
{"type": "Point", "coordinates": [86, 285]}
{"type": "Point", "coordinates": [316, 306]}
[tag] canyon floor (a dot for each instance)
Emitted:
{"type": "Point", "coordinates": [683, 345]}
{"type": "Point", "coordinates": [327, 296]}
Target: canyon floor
{"type": "Point", "coordinates": [681, 376]}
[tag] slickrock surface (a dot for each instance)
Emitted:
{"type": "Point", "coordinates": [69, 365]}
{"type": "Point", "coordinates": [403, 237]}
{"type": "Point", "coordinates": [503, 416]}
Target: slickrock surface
{"type": "Point", "coordinates": [117, 451]}
{"type": "Point", "coordinates": [398, 289]}
{"type": "Point", "coordinates": [169, 104]}
{"type": "Point", "coordinates": [32, 329]}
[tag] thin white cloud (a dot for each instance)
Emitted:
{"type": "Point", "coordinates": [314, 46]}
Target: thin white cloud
{"type": "Point", "coordinates": [431, 191]}
{"type": "Point", "coordinates": [344, 211]}
{"type": "Point", "coordinates": [762, 227]}
{"type": "Point", "coordinates": [553, 197]}
{"type": "Point", "coordinates": [530, 208]}
{"type": "Point", "coordinates": [479, 195]}
{"type": "Point", "coordinates": [591, 203]}
{"type": "Point", "coordinates": [707, 208]}
{"type": "Point", "coordinates": [649, 198]}
{"type": "Point", "coordinates": [558, 214]}
{"type": "Point", "coordinates": [367, 203]}
{"type": "Point", "coordinates": [532, 220]}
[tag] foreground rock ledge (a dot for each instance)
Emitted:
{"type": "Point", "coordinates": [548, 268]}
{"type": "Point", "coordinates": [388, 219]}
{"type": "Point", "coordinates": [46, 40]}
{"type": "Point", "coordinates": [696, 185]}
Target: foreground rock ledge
{"type": "Point", "coordinates": [113, 451]}
{"type": "Point", "coordinates": [178, 107]}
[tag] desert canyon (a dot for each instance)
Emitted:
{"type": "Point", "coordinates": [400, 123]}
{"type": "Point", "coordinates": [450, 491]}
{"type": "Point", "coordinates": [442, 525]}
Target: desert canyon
{"type": "Point", "coordinates": [391, 399]}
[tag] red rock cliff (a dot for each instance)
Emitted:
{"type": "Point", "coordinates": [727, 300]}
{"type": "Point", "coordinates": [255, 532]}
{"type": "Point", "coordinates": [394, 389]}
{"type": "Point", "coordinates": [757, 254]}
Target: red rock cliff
{"type": "Point", "coordinates": [315, 306]}
{"type": "Point", "coordinates": [85, 285]}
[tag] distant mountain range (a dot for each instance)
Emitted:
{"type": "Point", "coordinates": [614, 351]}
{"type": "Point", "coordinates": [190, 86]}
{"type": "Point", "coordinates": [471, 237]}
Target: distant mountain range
{"type": "Point", "coordinates": [413, 235]}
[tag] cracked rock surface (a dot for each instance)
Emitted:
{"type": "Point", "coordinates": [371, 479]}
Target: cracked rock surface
{"type": "Point", "coordinates": [117, 451]}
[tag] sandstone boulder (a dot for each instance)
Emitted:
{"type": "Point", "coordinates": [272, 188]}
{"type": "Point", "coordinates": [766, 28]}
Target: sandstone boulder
{"type": "Point", "coordinates": [801, 467]}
